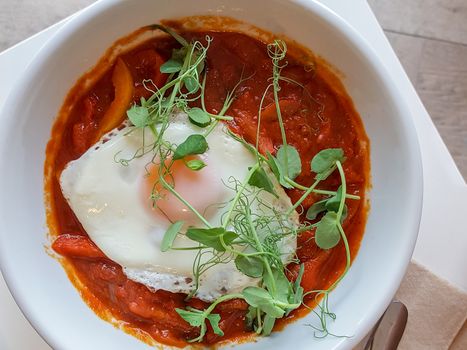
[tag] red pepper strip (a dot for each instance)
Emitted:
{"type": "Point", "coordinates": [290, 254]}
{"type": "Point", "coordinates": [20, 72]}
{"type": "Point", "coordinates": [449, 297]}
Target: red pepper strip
{"type": "Point", "coordinates": [77, 246]}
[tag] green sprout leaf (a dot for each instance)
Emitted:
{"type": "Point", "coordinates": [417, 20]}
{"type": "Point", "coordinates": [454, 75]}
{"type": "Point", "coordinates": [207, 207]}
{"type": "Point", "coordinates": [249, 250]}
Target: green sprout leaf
{"type": "Point", "coordinates": [138, 115]}
{"type": "Point", "coordinates": [197, 318]}
{"type": "Point", "coordinates": [194, 318]}
{"type": "Point", "coordinates": [268, 325]}
{"type": "Point", "coordinates": [260, 298]}
{"type": "Point", "coordinates": [195, 164]}
{"type": "Point", "coordinates": [255, 296]}
{"type": "Point", "coordinates": [274, 166]}
{"type": "Point", "coordinates": [191, 84]}
{"type": "Point", "coordinates": [323, 162]}
{"type": "Point", "coordinates": [298, 294]}
{"type": "Point", "coordinates": [277, 170]}
{"type": "Point", "coordinates": [332, 204]}
{"type": "Point", "coordinates": [214, 321]}
{"type": "Point", "coordinates": [251, 316]}
{"type": "Point", "coordinates": [278, 285]}
{"type": "Point", "coordinates": [289, 161]}
{"type": "Point", "coordinates": [170, 235]}
{"type": "Point", "coordinates": [194, 144]}
{"type": "Point", "coordinates": [286, 164]}
{"type": "Point", "coordinates": [261, 180]}
{"type": "Point", "coordinates": [328, 204]}
{"type": "Point", "coordinates": [199, 117]}
{"type": "Point", "coordinates": [251, 266]}
{"type": "Point", "coordinates": [211, 237]}
{"type": "Point", "coordinates": [316, 209]}
{"type": "Point", "coordinates": [171, 66]}
{"type": "Point", "coordinates": [327, 233]}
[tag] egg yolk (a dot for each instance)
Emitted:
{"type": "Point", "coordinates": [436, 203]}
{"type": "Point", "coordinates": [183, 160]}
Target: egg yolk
{"type": "Point", "coordinates": [200, 188]}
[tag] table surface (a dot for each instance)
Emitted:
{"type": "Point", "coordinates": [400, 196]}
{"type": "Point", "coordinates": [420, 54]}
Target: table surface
{"type": "Point", "coordinates": [445, 191]}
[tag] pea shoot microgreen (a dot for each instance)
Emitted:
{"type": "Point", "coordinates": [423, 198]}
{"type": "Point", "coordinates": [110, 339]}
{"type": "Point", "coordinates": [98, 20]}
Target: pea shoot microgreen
{"type": "Point", "coordinates": [194, 144]}
{"type": "Point", "coordinates": [324, 163]}
{"type": "Point", "coordinates": [199, 117]}
{"type": "Point", "coordinates": [217, 237]}
{"type": "Point", "coordinates": [195, 164]}
{"type": "Point", "coordinates": [250, 240]}
{"type": "Point", "coordinates": [286, 165]}
{"type": "Point", "coordinates": [170, 234]}
{"type": "Point", "coordinates": [138, 115]}
{"type": "Point", "coordinates": [252, 266]}
{"type": "Point", "coordinates": [317, 208]}
{"type": "Point", "coordinates": [261, 180]}
{"type": "Point", "coordinates": [198, 318]}
{"type": "Point", "coordinates": [289, 161]}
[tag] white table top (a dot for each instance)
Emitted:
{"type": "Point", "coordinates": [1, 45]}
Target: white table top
{"type": "Point", "coordinates": [442, 242]}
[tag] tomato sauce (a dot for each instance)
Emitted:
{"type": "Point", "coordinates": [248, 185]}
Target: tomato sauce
{"type": "Point", "coordinates": [317, 114]}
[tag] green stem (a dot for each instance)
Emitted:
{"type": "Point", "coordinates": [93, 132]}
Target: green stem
{"type": "Point", "coordinates": [227, 103]}
{"type": "Point", "coordinates": [220, 300]}
{"type": "Point", "coordinates": [344, 190]}
{"type": "Point", "coordinates": [278, 109]}
{"type": "Point", "coordinates": [220, 117]}
{"type": "Point", "coordinates": [333, 193]}
{"type": "Point", "coordinates": [203, 86]}
{"type": "Point", "coordinates": [237, 252]}
{"type": "Point", "coordinates": [187, 69]}
{"type": "Point", "coordinates": [347, 256]}
{"type": "Point", "coordinates": [157, 137]}
{"type": "Point", "coordinates": [318, 191]}
{"type": "Point", "coordinates": [211, 128]}
{"type": "Point", "coordinates": [286, 305]}
{"type": "Point", "coordinates": [339, 226]}
{"type": "Point", "coordinates": [257, 254]}
{"type": "Point", "coordinates": [303, 197]}
{"type": "Point", "coordinates": [259, 247]}
{"type": "Point", "coordinates": [224, 109]}
{"type": "Point", "coordinates": [341, 232]}
{"type": "Point", "coordinates": [174, 34]}
{"type": "Point", "coordinates": [238, 194]}
{"type": "Point", "coordinates": [181, 199]}
{"type": "Point", "coordinates": [189, 248]}
{"type": "Point", "coordinates": [260, 321]}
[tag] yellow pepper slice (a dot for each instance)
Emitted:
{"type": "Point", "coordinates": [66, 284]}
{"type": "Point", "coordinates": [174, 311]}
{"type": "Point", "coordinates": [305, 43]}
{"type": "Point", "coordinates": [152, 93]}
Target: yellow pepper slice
{"type": "Point", "coordinates": [123, 84]}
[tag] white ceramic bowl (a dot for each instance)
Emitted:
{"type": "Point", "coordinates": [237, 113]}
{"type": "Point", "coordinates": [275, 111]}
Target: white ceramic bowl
{"type": "Point", "coordinates": [39, 284]}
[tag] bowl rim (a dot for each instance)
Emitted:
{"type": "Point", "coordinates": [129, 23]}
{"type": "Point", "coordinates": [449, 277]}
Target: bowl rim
{"type": "Point", "coordinates": [80, 19]}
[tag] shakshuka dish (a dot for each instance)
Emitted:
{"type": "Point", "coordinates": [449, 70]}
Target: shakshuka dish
{"type": "Point", "coordinates": [207, 185]}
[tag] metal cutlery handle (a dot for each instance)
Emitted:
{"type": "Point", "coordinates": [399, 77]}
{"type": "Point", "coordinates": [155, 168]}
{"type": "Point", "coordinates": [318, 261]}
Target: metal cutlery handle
{"type": "Point", "coordinates": [388, 332]}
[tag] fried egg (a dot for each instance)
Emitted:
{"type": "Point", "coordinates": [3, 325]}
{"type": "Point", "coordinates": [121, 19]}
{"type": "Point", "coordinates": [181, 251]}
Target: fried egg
{"type": "Point", "coordinates": [111, 197]}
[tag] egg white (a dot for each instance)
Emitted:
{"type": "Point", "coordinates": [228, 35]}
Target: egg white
{"type": "Point", "coordinates": [106, 198]}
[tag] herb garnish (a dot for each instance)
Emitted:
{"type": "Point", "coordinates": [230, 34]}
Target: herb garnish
{"type": "Point", "coordinates": [194, 144]}
{"type": "Point", "coordinates": [252, 241]}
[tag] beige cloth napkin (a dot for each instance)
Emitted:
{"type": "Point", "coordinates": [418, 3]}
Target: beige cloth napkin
{"type": "Point", "coordinates": [437, 312]}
